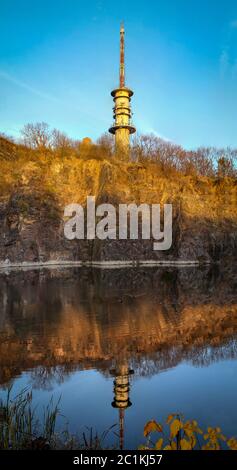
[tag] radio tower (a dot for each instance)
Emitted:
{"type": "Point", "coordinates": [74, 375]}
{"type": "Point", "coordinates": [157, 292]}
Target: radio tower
{"type": "Point", "coordinates": [121, 394]}
{"type": "Point", "coordinates": [122, 126]}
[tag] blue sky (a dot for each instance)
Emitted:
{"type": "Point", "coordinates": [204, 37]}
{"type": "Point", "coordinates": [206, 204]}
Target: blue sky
{"type": "Point", "coordinates": [59, 62]}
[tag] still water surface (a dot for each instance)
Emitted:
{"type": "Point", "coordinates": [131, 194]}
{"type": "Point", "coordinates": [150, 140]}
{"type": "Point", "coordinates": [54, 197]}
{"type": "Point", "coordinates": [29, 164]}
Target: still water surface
{"type": "Point", "coordinates": [152, 341]}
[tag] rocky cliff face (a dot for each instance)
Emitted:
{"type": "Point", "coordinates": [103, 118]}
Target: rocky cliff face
{"type": "Point", "coordinates": [33, 195]}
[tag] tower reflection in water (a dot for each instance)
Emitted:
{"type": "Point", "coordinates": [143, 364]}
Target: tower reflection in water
{"type": "Point", "coordinates": [121, 400]}
{"type": "Point", "coordinates": [54, 324]}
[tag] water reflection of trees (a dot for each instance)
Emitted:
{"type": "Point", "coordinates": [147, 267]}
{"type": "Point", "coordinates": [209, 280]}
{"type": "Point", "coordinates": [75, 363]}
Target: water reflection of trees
{"type": "Point", "coordinates": [55, 322]}
{"type": "Point", "coordinates": [144, 366]}
{"type": "Point", "coordinates": [47, 377]}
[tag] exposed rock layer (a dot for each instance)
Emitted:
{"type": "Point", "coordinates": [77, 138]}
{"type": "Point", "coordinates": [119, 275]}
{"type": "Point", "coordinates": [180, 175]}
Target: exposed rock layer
{"type": "Point", "coordinates": [33, 195]}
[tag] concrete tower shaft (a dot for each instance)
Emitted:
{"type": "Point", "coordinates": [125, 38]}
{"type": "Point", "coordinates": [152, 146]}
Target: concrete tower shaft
{"type": "Point", "coordinates": [122, 126]}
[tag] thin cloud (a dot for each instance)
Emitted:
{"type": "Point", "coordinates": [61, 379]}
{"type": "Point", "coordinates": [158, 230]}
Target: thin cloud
{"type": "Point", "coordinates": [157, 134]}
{"type": "Point", "coordinates": [47, 96]}
{"type": "Point", "coordinates": [227, 60]}
{"type": "Point", "coordinates": [233, 24]}
{"type": "Point", "coordinates": [19, 83]}
{"type": "Point", "coordinates": [224, 63]}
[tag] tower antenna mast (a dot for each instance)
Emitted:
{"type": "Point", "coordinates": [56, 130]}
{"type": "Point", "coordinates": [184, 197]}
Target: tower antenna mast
{"type": "Point", "coordinates": [122, 64]}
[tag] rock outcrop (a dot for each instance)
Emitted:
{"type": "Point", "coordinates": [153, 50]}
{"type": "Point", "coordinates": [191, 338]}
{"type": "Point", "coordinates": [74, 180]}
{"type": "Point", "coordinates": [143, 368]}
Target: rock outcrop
{"type": "Point", "coordinates": [33, 195]}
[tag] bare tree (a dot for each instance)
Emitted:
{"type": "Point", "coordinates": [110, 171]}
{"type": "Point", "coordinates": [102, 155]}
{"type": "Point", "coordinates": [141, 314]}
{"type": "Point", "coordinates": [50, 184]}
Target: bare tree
{"type": "Point", "coordinates": [106, 143]}
{"type": "Point", "coordinates": [153, 148]}
{"type": "Point", "coordinates": [144, 146]}
{"type": "Point", "coordinates": [36, 135]}
{"type": "Point", "coordinates": [61, 142]}
{"type": "Point", "coordinates": [226, 167]}
{"type": "Point", "coordinates": [170, 156]}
